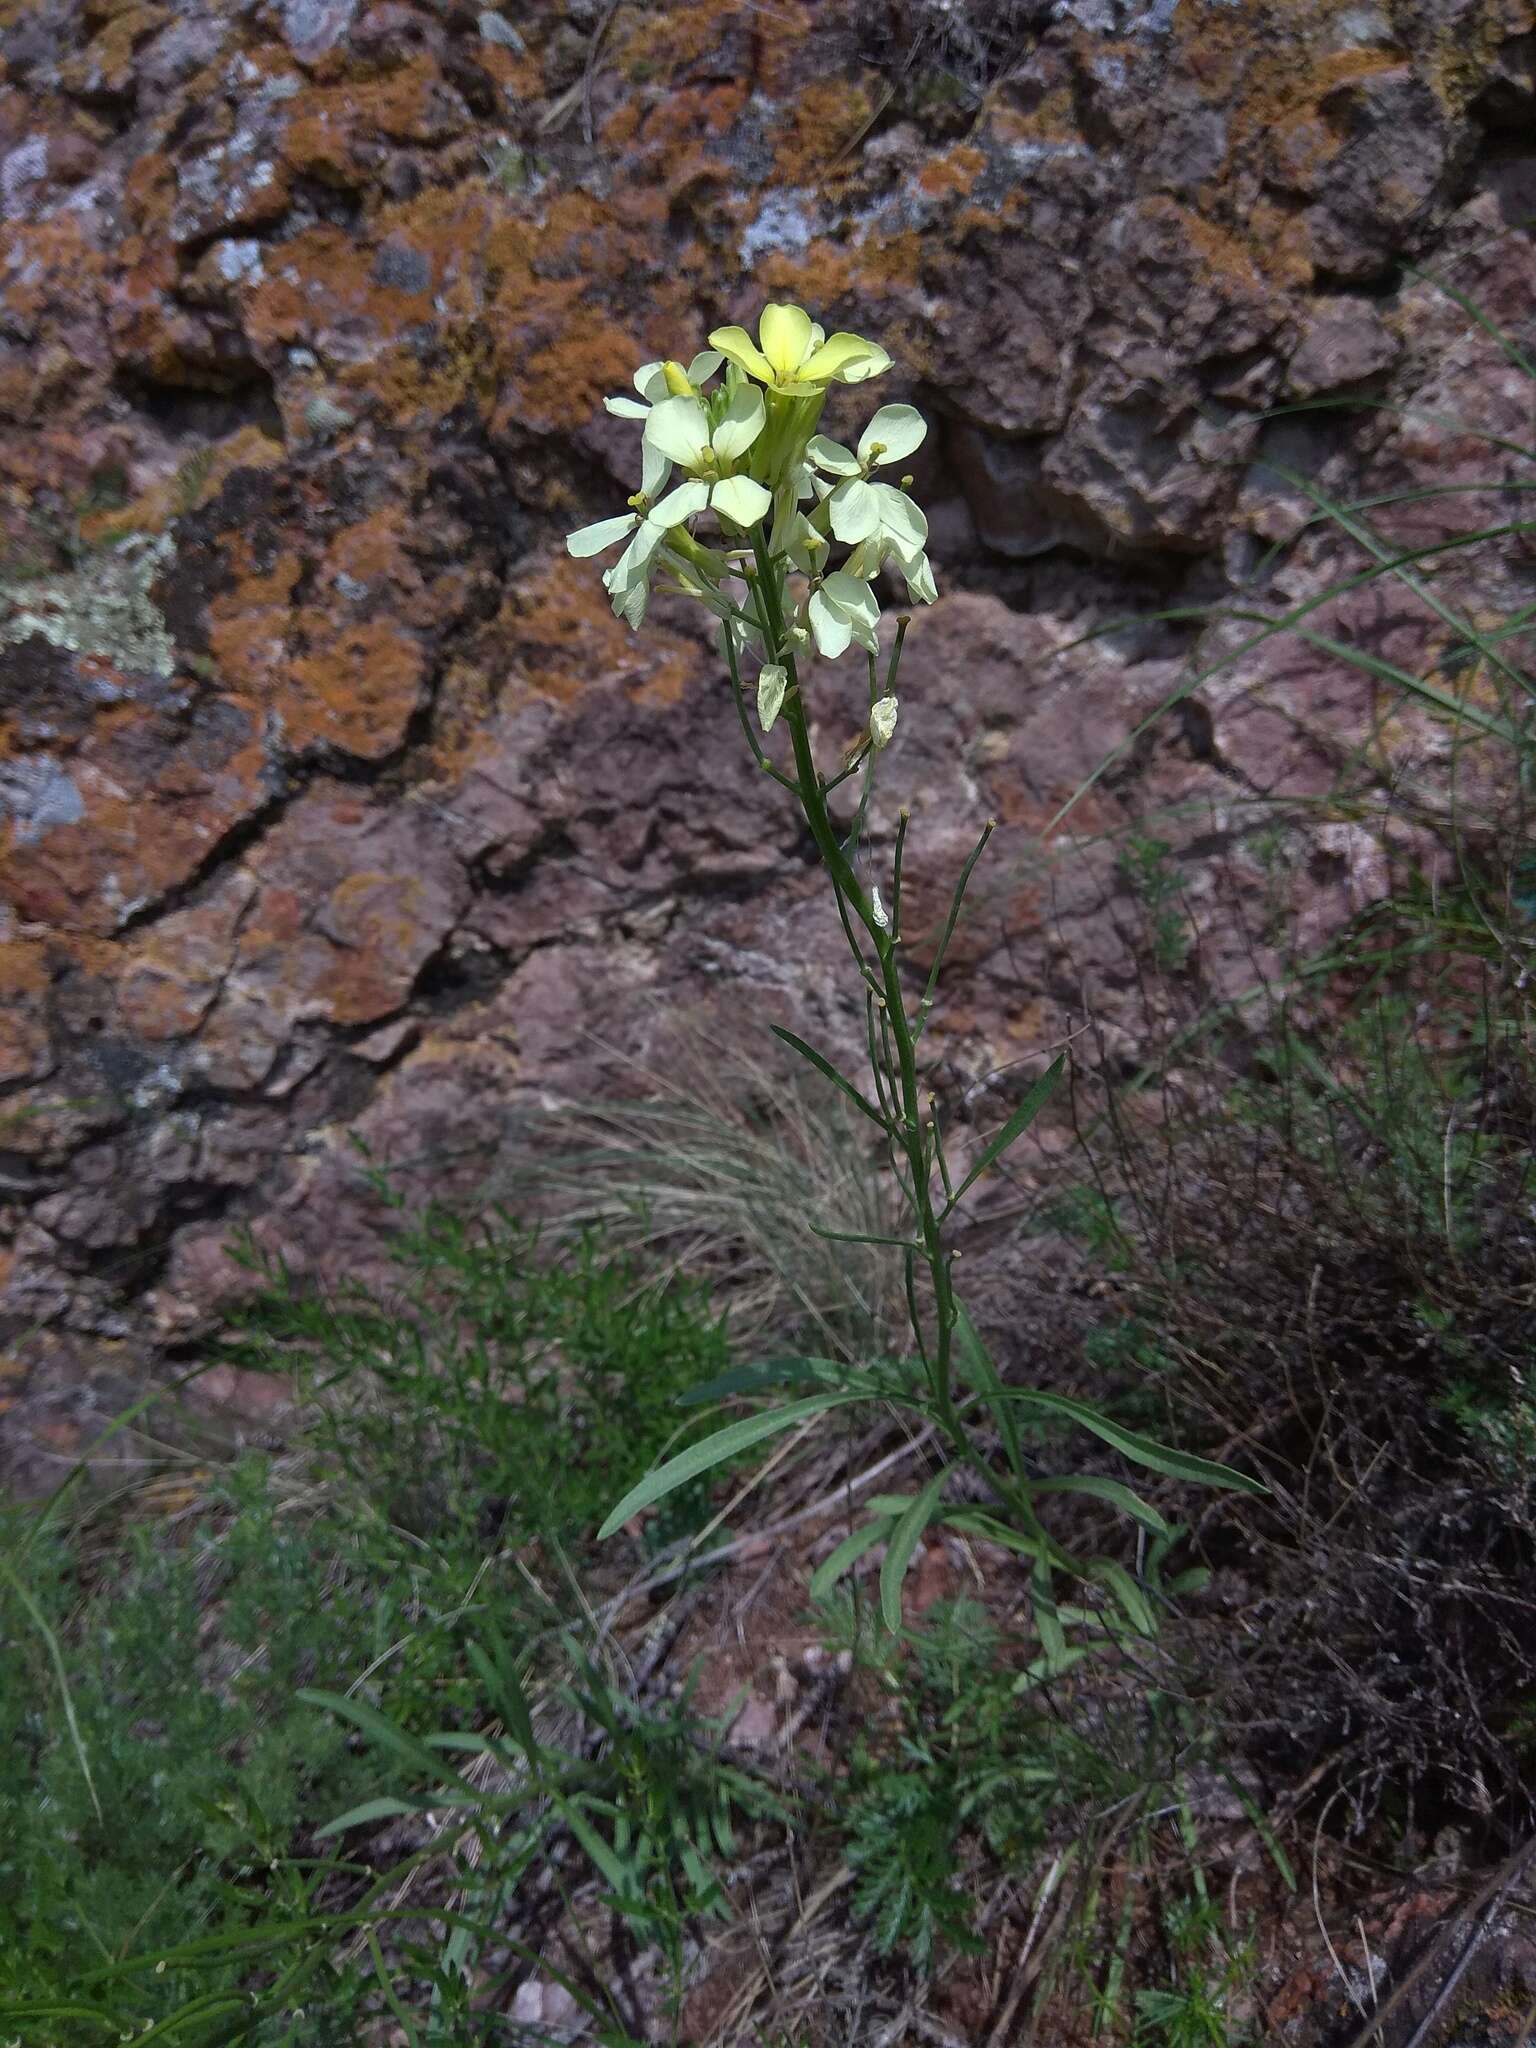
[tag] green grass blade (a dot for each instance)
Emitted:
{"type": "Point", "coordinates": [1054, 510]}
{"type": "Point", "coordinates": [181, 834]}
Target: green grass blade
{"type": "Point", "coordinates": [976, 1363]}
{"type": "Point", "coordinates": [41, 1623]}
{"type": "Point", "coordinates": [1475, 312]}
{"type": "Point", "coordinates": [760, 1378]}
{"type": "Point", "coordinates": [371, 1809]}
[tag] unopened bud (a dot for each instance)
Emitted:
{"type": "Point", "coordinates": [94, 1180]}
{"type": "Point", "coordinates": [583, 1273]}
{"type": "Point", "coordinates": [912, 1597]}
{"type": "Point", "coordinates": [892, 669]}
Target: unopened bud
{"type": "Point", "coordinates": [771, 682]}
{"type": "Point", "coordinates": [677, 380]}
{"type": "Point", "coordinates": [882, 722]}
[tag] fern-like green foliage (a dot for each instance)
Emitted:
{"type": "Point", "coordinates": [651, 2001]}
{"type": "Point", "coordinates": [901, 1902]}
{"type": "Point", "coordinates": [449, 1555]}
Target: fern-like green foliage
{"type": "Point", "coordinates": [971, 1765]}
{"type": "Point", "coordinates": [496, 1390]}
{"type": "Point", "coordinates": [164, 1776]}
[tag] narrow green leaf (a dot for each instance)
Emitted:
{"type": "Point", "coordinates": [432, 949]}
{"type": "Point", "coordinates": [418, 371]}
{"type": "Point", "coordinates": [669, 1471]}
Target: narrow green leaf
{"type": "Point", "coordinates": [977, 1363]}
{"type": "Point", "coordinates": [13, 2015]}
{"type": "Point", "coordinates": [905, 1537]}
{"type": "Point", "coordinates": [1133, 1602]}
{"type": "Point", "coordinates": [1262, 1828]}
{"type": "Point", "coordinates": [1040, 1669]}
{"type": "Point", "coordinates": [1016, 1125]}
{"type": "Point", "coordinates": [1417, 686]}
{"type": "Point", "coordinates": [976, 1522]}
{"type": "Point", "coordinates": [469, 1744]}
{"type": "Point", "coordinates": [715, 1450]}
{"type": "Point", "coordinates": [1470, 306]}
{"type": "Point", "coordinates": [1141, 1450]}
{"type": "Point", "coordinates": [40, 1622]}
{"type": "Point", "coordinates": [618, 1879]}
{"type": "Point", "coordinates": [846, 1555]}
{"type": "Point", "coordinates": [824, 1066]}
{"type": "Point", "coordinates": [498, 1674]}
{"type": "Point", "coordinates": [370, 1810]}
{"type": "Point", "coordinates": [902, 1244]}
{"type": "Point", "coordinates": [1053, 1638]}
{"type": "Point", "coordinates": [388, 1736]}
{"type": "Point", "coordinates": [767, 1373]}
{"type": "Point", "coordinates": [1115, 1493]}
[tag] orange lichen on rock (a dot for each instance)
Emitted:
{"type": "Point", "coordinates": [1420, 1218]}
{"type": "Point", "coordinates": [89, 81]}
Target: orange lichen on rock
{"type": "Point", "coordinates": [129, 817]}
{"type": "Point", "coordinates": [331, 128]}
{"type": "Point", "coordinates": [24, 1048]}
{"type": "Point", "coordinates": [354, 688]}
{"type": "Point", "coordinates": [564, 639]}
{"type": "Point", "coordinates": [649, 42]}
{"type": "Point", "coordinates": [817, 130]}
{"type": "Point", "coordinates": [952, 175]}
{"type": "Point", "coordinates": [328, 676]}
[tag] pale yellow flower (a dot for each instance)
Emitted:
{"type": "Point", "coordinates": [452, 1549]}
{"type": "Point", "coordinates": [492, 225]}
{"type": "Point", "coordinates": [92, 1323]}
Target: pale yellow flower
{"type": "Point", "coordinates": [795, 357]}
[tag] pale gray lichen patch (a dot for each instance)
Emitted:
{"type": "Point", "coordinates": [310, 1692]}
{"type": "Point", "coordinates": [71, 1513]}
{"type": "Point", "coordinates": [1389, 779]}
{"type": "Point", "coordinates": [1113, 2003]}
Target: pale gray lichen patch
{"type": "Point", "coordinates": [102, 606]}
{"type": "Point", "coordinates": [784, 221]}
{"type": "Point", "coordinates": [36, 794]}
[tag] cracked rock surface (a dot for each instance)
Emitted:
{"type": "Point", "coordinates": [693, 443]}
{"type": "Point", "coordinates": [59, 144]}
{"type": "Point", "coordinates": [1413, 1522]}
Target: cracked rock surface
{"type": "Point", "coordinates": [333, 800]}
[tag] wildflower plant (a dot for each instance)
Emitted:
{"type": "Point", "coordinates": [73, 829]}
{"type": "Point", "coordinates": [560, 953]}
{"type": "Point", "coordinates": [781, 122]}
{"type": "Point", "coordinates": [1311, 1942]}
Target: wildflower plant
{"type": "Point", "coordinates": [783, 534]}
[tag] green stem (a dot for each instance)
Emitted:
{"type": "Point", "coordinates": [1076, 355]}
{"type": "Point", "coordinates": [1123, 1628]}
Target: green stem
{"type": "Point", "coordinates": [811, 792]}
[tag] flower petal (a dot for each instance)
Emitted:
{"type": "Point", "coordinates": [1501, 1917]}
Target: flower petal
{"type": "Point", "coordinates": [896, 430]}
{"type": "Point", "coordinates": [738, 347]}
{"type": "Point", "coordinates": [787, 338]}
{"type": "Point", "coordinates": [627, 408]}
{"type": "Point", "coordinates": [882, 722]}
{"type": "Point", "coordinates": [740, 423]}
{"type": "Point", "coordinates": [683, 503]}
{"type": "Point", "coordinates": [867, 559]}
{"type": "Point", "coordinates": [852, 596]}
{"type": "Point", "coordinates": [830, 630]}
{"type": "Point", "coordinates": [742, 500]}
{"type": "Point", "coordinates": [771, 683]}
{"type": "Point", "coordinates": [902, 522]}
{"type": "Point", "coordinates": [704, 365]}
{"type": "Point", "coordinates": [919, 578]}
{"type": "Point", "coordinates": [845, 359]}
{"type": "Point", "coordinates": [591, 540]}
{"type": "Point", "coordinates": [855, 511]}
{"type": "Point", "coordinates": [679, 427]}
{"type": "Point", "coordinates": [651, 383]}
{"type": "Point", "coordinates": [832, 456]}
{"type": "Point", "coordinates": [634, 565]}
{"type": "Point", "coordinates": [654, 469]}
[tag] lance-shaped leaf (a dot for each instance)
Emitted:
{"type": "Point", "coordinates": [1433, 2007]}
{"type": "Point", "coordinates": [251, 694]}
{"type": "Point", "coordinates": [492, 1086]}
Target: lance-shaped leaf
{"type": "Point", "coordinates": [1141, 1450]}
{"type": "Point", "coordinates": [715, 1450]}
{"type": "Point", "coordinates": [1015, 1127]}
{"type": "Point", "coordinates": [824, 1066]}
{"type": "Point", "coordinates": [846, 1555]}
{"type": "Point", "coordinates": [905, 1537]}
{"type": "Point", "coordinates": [761, 1378]}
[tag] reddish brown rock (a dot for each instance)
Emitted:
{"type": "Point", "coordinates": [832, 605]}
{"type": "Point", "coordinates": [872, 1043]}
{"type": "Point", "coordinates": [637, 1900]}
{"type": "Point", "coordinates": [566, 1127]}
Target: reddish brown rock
{"type": "Point", "coordinates": [331, 793]}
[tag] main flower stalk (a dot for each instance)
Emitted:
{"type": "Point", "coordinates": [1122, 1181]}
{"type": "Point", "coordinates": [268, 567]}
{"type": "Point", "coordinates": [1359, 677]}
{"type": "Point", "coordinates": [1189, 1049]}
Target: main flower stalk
{"type": "Point", "coordinates": [787, 538]}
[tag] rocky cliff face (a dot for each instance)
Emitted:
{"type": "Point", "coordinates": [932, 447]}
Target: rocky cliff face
{"type": "Point", "coordinates": [331, 797]}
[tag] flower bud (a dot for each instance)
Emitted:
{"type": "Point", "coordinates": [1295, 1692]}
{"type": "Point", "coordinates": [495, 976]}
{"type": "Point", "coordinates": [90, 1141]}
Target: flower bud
{"type": "Point", "coordinates": [882, 722]}
{"type": "Point", "coordinates": [677, 380]}
{"type": "Point", "coordinates": [770, 694]}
